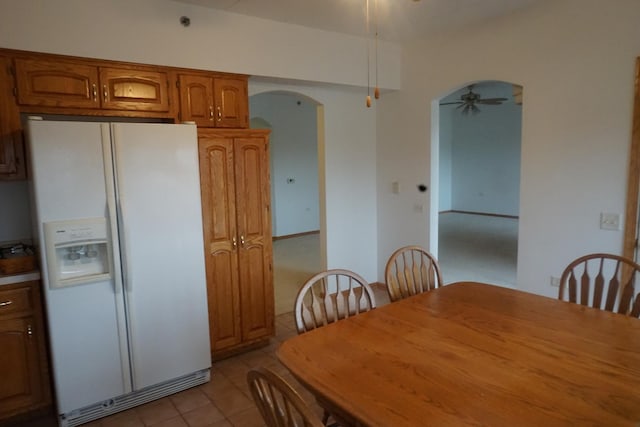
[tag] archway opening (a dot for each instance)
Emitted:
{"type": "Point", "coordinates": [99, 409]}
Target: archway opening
{"type": "Point", "coordinates": [297, 201]}
{"type": "Point", "coordinates": [476, 200]}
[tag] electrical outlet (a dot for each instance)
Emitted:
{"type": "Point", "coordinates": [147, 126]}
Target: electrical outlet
{"type": "Point", "coordinates": [609, 221]}
{"type": "Point", "coordinates": [555, 282]}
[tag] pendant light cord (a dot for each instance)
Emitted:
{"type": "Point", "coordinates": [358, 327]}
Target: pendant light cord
{"type": "Point", "coordinates": [366, 6]}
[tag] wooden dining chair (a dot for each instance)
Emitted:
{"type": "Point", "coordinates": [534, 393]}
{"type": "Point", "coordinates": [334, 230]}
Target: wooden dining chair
{"type": "Point", "coordinates": [279, 404]}
{"type": "Point", "coordinates": [330, 296]}
{"type": "Point", "coordinates": [603, 281]}
{"type": "Point", "coordinates": [411, 270]}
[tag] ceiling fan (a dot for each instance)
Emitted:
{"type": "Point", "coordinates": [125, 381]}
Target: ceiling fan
{"type": "Point", "coordinates": [469, 100]}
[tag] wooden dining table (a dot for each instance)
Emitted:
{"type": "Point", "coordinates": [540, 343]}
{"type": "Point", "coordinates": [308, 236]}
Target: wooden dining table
{"type": "Point", "coordinates": [474, 354]}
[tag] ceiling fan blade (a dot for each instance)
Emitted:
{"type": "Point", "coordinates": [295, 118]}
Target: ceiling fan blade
{"type": "Point", "coordinates": [486, 102]}
{"type": "Point", "coordinates": [451, 103]}
{"type": "Point", "coordinates": [483, 100]}
{"type": "Point", "coordinates": [474, 109]}
{"type": "Point", "coordinates": [466, 108]}
{"type": "Point", "coordinates": [462, 104]}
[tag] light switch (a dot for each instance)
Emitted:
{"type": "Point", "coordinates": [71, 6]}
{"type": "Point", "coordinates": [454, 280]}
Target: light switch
{"type": "Point", "coordinates": [610, 221]}
{"type": "Point", "coordinates": [395, 187]}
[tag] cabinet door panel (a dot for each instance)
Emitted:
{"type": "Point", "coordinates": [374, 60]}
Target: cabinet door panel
{"type": "Point", "coordinates": [57, 84]}
{"type": "Point", "coordinates": [19, 368]}
{"type": "Point", "coordinates": [219, 223]}
{"type": "Point", "coordinates": [11, 146]}
{"type": "Point", "coordinates": [254, 228]}
{"type": "Point", "coordinates": [231, 101]}
{"type": "Point", "coordinates": [196, 100]}
{"type": "Point", "coordinates": [138, 90]}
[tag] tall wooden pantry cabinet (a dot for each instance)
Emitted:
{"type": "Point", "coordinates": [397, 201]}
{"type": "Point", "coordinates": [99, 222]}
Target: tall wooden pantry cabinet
{"type": "Point", "coordinates": [235, 186]}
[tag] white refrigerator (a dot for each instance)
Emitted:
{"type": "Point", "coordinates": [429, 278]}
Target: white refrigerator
{"type": "Point", "coordinates": [119, 231]}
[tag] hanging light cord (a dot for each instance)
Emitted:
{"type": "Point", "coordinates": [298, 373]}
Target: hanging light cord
{"type": "Point", "coordinates": [376, 92]}
{"type": "Point", "coordinates": [366, 14]}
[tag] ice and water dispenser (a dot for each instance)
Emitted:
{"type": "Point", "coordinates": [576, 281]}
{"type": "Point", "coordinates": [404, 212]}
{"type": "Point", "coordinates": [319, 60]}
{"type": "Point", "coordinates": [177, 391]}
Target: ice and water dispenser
{"type": "Point", "coordinates": [77, 252]}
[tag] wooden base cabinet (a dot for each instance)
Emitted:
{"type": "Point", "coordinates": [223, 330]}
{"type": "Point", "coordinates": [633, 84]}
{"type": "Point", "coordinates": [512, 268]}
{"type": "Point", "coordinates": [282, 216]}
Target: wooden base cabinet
{"type": "Point", "coordinates": [234, 174]}
{"type": "Point", "coordinates": [23, 369]}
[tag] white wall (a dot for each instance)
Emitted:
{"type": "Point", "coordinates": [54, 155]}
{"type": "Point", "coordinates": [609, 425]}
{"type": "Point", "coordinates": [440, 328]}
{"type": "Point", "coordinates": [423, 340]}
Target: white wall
{"type": "Point", "coordinates": [575, 59]}
{"type": "Point", "coordinates": [294, 155]}
{"type": "Point", "coordinates": [445, 160]}
{"type": "Point", "coordinates": [485, 148]}
{"type": "Point", "coordinates": [346, 178]}
{"type": "Point", "coordinates": [148, 31]}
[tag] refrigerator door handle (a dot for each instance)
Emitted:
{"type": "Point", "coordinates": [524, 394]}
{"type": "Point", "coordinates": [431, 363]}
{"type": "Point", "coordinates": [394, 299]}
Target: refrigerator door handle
{"type": "Point", "coordinates": [112, 211]}
{"type": "Point", "coordinates": [124, 248]}
{"type": "Point", "coordinates": [119, 182]}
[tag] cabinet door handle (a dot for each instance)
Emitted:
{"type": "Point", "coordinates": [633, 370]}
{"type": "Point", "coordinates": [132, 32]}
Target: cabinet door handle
{"type": "Point", "coordinates": [6, 303]}
{"type": "Point", "coordinates": [95, 92]}
{"type": "Point", "coordinates": [219, 114]}
{"type": "Point", "coordinates": [242, 240]}
{"type": "Point", "coordinates": [105, 93]}
{"type": "Point", "coordinates": [211, 112]}
{"type": "Point", "coordinates": [29, 331]}
{"type": "Point", "coordinates": [235, 242]}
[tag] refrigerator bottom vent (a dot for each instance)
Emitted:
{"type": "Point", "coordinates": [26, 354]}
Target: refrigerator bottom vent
{"type": "Point", "coordinates": [127, 401]}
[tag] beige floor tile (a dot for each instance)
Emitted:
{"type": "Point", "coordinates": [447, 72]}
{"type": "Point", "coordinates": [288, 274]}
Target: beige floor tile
{"type": "Point", "coordinates": [203, 416]}
{"type": "Point", "coordinates": [129, 418]}
{"type": "Point", "coordinates": [233, 403]}
{"type": "Point", "coordinates": [189, 400]}
{"type": "Point", "coordinates": [248, 418]}
{"type": "Point", "coordinates": [155, 412]}
{"type": "Point", "coordinates": [221, 423]}
{"type": "Point", "coordinates": [171, 422]}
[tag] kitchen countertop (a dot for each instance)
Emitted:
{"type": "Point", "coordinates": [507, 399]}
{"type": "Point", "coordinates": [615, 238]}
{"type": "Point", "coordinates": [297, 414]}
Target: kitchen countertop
{"type": "Point", "coordinates": [10, 279]}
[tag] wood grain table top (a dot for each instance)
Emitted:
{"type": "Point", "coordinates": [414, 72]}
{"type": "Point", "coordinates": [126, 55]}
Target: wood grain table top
{"type": "Point", "coordinates": [475, 354]}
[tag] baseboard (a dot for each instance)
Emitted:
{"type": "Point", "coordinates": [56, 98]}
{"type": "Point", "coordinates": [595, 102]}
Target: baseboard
{"type": "Point", "coordinates": [481, 213]}
{"type": "Point", "coordinates": [290, 236]}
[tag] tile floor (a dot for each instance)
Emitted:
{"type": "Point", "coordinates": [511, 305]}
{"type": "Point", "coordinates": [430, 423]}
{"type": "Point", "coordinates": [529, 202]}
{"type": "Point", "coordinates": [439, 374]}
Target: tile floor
{"type": "Point", "coordinates": [223, 402]}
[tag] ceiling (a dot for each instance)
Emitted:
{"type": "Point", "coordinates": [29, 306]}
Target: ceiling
{"type": "Point", "coordinates": [398, 20]}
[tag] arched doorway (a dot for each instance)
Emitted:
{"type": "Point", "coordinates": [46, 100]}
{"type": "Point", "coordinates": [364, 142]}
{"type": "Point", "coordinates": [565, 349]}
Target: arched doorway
{"type": "Point", "coordinates": [295, 188]}
{"type": "Point", "coordinates": [478, 176]}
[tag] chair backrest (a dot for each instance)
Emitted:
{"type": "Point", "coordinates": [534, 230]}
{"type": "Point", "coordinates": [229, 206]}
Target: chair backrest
{"type": "Point", "coordinates": [411, 270]}
{"type": "Point", "coordinates": [330, 296]}
{"type": "Point", "coordinates": [603, 281]}
{"type": "Point", "coordinates": [279, 404]}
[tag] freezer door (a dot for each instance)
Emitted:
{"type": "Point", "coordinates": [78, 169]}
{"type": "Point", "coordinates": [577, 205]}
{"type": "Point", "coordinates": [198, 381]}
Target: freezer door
{"type": "Point", "coordinates": [86, 333]}
{"type": "Point", "coordinates": [161, 241]}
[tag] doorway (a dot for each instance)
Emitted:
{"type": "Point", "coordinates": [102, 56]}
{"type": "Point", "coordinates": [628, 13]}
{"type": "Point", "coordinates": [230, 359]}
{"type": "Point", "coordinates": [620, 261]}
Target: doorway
{"type": "Point", "coordinates": [478, 176]}
{"type": "Point", "coordinates": [295, 191]}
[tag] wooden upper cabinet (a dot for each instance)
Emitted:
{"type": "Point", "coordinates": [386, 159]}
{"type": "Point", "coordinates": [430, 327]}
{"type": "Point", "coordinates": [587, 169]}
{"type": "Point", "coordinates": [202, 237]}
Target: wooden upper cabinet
{"type": "Point", "coordinates": [57, 84]}
{"type": "Point", "coordinates": [231, 103]}
{"type": "Point", "coordinates": [12, 162]}
{"type": "Point", "coordinates": [196, 99]}
{"type": "Point", "coordinates": [133, 89]}
{"type": "Point", "coordinates": [71, 84]}
{"type": "Point", "coordinates": [213, 101]}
